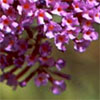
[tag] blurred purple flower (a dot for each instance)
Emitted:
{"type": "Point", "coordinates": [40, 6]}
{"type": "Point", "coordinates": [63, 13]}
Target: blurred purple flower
{"type": "Point", "coordinates": [26, 30]}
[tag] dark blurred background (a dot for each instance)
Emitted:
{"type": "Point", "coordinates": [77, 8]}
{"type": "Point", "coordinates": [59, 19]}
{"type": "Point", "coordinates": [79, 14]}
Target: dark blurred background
{"type": "Point", "coordinates": [84, 85]}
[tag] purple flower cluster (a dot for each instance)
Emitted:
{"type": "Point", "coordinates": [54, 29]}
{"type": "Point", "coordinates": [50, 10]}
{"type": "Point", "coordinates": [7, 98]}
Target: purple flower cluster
{"type": "Point", "coordinates": [26, 26]}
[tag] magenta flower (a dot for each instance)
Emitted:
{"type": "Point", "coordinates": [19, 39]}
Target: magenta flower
{"type": "Point", "coordinates": [60, 40]}
{"type": "Point", "coordinates": [51, 28]}
{"type": "Point", "coordinates": [70, 21]}
{"type": "Point", "coordinates": [42, 16]}
{"type": "Point", "coordinates": [77, 5]}
{"type": "Point", "coordinates": [26, 30]}
{"type": "Point", "coordinates": [59, 8]}
{"type": "Point", "coordinates": [5, 4]}
{"type": "Point", "coordinates": [26, 7]}
{"type": "Point", "coordinates": [7, 24]}
{"type": "Point", "coordinates": [60, 64]}
{"type": "Point", "coordinates": [58, 87]}
{"type": "Point", "coordinates": [41, 79]}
